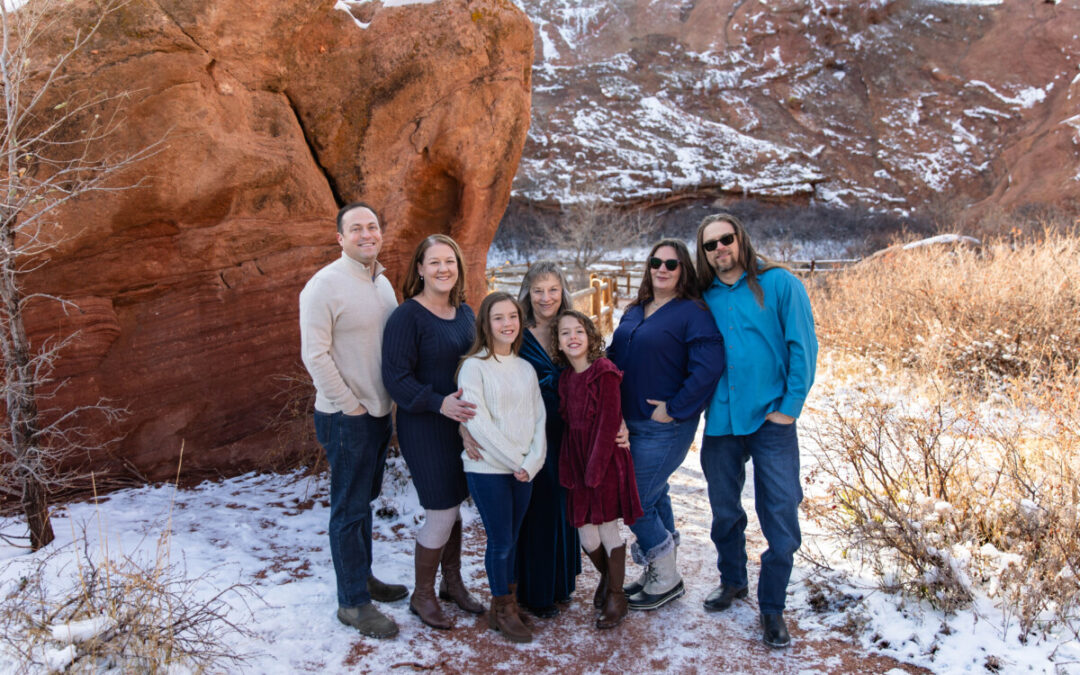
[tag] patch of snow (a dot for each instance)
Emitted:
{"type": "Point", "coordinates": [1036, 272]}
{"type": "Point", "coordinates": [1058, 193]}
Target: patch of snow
{"type": "Point", "coordinates": [943, 239]}
{"type": "Point", "coordinates": [80, 631]}
{"type": "Point", "coordinates": [1026, 97]}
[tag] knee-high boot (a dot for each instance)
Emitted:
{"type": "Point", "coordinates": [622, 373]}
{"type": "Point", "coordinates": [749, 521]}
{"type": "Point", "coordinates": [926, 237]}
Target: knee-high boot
{"type": "Point", "coordinates": [423, 602]}
{"type": "Point", "coordinates": [452, 586]}
{"type": "Point", "coordinates": [615, 609]}
{"type": "Point", "coordinates": [600, 560]}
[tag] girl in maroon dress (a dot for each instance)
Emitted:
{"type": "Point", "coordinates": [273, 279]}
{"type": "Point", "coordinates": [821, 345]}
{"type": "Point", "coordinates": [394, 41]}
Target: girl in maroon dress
{"type": "Point", "coordinates": [597, 474]}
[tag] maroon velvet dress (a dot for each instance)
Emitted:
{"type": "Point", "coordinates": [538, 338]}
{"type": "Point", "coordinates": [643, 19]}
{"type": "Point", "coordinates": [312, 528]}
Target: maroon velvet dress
{"type": "Point", "coordinates": [598, 475]}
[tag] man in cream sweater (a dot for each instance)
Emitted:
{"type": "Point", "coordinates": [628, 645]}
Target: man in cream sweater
{"type": "Point", "coordinates": [343, 309]}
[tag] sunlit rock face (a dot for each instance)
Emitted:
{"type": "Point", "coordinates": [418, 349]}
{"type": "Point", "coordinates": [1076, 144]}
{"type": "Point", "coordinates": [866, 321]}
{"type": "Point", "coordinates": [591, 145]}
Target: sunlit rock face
{"type": "Point", "coordinates": [272, 114]}
{"type": "Point", "coordinates": [892, 105]}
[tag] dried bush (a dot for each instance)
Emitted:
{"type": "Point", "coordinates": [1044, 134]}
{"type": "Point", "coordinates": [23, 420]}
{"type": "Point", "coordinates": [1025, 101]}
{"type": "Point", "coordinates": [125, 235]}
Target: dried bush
{"type": "Point", "coordinates": [126, 614]}
{"type": "Point", "coordinates": [954, 468]}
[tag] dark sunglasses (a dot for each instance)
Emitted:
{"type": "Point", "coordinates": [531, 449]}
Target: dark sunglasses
{"type": "Point", "coordinates": [671, 263]}
{"type": "Point", "coordinates": [727, 240]}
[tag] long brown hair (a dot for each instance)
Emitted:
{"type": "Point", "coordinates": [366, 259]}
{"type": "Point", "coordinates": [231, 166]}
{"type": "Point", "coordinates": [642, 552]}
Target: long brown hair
{"type": "Point", "coordinates": [596, 341]}
{"type": "Point", "coordinates": [414, 283]}
{"type": "Point", "coordinates": [750, 260]}
{"type": "Point", "coordinates": [484, 339]}
{"type": "Point", "coordinates": [686, 287]}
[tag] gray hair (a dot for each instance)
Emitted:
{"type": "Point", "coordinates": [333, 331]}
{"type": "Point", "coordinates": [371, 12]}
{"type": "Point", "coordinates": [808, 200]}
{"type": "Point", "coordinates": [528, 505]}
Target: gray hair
{"type": "Point", "coordinates": [538, 270]}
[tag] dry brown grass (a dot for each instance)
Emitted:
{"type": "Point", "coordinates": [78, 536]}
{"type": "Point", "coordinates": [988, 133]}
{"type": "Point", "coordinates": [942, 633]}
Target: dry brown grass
{"type": "Point", "coordinates": [955, 469]}
{"type": "Point", "coordinates": [973, 317]}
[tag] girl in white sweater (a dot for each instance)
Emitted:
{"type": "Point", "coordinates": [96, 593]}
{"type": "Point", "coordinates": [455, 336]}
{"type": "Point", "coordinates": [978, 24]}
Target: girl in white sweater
{"type": "Point", "coordinates": [509, 430]}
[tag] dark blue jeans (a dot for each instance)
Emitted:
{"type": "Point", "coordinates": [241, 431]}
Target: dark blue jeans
{"type": "Point", "coordinates": [502, 501]}
{"type": "Point", "coordinates": [774, 448]}
{"type": "Point", "coordinates": [658, 450]}
{"type": "Point", "coordinates": [356, 451]}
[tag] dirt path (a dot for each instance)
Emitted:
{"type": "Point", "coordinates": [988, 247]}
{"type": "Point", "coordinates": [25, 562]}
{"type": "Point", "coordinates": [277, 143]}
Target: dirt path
{"type": "Point", "coordinates": [679, 638]}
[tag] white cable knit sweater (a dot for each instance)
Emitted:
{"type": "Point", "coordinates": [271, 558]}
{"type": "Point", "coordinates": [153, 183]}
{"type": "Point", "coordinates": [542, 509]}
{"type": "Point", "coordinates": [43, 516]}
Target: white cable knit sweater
{"type": "Point", "coordinates": [510, 417]}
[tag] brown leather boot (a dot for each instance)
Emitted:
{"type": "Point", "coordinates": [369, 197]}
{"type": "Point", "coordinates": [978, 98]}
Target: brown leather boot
{"type": "Point", "coordinates": [513, 594]}
{"type": "Point", "coordinates": [503, 617]}
{"type": "Point", "coordinates": [423, 602]}
{"type": "Point", "coordinates": [615, 609]}
{"type": "Point", "coordinates": [599, 558]}
{"type": "Point", "coordinates": [452, 586]}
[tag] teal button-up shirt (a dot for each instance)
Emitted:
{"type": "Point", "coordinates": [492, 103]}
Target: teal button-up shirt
{"type": "Point", "coordinates": [771, 352]}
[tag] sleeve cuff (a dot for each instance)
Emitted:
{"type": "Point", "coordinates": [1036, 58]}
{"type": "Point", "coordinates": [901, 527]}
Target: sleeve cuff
{"type": "Point", "coordinates": [792, 406]}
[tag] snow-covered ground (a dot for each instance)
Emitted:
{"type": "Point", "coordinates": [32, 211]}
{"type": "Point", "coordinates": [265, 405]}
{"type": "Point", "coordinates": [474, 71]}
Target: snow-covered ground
{"type": "Point", "coordinates": [269, 531]}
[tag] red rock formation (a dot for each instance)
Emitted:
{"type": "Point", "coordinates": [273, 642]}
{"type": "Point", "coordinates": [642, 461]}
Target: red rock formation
{"type": "Point", "coordinates": [272, 114]}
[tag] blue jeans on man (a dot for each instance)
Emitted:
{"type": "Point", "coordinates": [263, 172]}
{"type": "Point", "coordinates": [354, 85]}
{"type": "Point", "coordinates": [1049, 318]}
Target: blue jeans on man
{"type": "Point", "coordinates": [658, 450]}
{"type": "Point", "coordinates": [355, 448]}
{"type": "Point", "coordinates": [502, 501]}
{"type": "Point", "coordinates": [774, 449]}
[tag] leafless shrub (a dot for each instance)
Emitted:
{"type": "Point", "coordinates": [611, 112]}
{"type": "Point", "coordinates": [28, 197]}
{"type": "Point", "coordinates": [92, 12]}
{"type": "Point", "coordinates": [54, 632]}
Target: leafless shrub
{"type": "Point", "coordinates": [959, 473]}
{"type": "Point", "coordinates": [134, 615]}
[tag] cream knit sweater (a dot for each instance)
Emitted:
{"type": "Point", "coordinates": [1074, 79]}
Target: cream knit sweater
{"type": "Point", "coordinates": [343, 310]}
{"type": "Point", "coordinates": [510, 416]}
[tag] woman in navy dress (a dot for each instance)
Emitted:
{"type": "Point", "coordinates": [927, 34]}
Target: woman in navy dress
{"type": "Point", "coordinates": [548, 560]}
{"type": "Point", "coordinates": [424, 339]}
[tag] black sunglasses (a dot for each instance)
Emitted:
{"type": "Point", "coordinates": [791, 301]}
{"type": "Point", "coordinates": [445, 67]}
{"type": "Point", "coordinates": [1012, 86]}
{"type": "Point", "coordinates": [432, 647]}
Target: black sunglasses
{"type": "Point", "coordinates": [727, 240]}
{"type": "Point", "coordinates": [671, 263]}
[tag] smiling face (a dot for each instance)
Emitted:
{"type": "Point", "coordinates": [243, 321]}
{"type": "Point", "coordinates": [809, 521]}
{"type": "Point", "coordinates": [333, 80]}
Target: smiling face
{"type": "Point", "coordinates": [439, 269]}
{"type": "Point", "coordinates": [573, 340]}
{"type": "Point", "coordinates": [505, 324]}
{"type": "Point", "coordinates": [664, 281]}
{"type": "Point", "coordinates": [724, 260]}
{"type": "Point", "coordinates": [360, 236]}
{"type": "Point", "coordinates": [546, 297]}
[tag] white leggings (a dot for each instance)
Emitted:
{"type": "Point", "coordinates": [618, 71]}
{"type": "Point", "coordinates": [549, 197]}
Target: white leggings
{"type": "Point", "coordinates": [607, 533]}
{"type": "Point", "coordinates": [437, 526]}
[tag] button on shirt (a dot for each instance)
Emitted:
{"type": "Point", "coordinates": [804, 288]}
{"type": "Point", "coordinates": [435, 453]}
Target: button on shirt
{"type": "Point", "coordinates": [771, 352]}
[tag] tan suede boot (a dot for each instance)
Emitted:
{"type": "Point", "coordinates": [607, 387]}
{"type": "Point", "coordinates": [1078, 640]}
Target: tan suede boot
{"type": "Point", "coordinates": [452, 586]}
{"type": "Point", "coordinates": [423, 602]}
{"type": "Point", "coordinates": [503, 617]}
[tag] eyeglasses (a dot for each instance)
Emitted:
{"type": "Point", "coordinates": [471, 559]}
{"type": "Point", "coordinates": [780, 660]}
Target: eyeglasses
{"type": "Point", "coordinates": [727, 240]}
{"type": "Point", "coordinates": [671, 263]}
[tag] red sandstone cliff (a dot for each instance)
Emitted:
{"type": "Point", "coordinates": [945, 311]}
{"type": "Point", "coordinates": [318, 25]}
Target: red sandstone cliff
{"type": "Point", "coordinates": [272, 114]}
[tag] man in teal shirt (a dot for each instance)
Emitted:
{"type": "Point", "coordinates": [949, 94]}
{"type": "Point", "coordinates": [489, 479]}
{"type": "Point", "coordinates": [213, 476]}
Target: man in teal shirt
{"type": "Point", "coordinates": [764, 315]}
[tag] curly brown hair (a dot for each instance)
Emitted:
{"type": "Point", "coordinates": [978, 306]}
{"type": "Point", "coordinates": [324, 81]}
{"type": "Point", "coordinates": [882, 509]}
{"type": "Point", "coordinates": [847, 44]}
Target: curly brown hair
{"type": "Point", "coordinates": [596, 341]}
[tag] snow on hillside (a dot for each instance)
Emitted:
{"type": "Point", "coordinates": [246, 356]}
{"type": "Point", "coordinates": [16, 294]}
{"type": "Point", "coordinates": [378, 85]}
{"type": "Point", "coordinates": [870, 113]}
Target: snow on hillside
{"type": "Point", "coordinates": [622, 107]}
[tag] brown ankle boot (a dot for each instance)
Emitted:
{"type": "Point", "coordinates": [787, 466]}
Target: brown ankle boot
{"type": "Point", "coordinates": [452, 586]}
{"type": "Point", "coordinates": [423, 602]}
{"type": "Point", "coordinates": [503, 617]}
{"type": "Point", "coordinates": [614, 610]}
{"type": "Point", "coordinates": [599, 558]}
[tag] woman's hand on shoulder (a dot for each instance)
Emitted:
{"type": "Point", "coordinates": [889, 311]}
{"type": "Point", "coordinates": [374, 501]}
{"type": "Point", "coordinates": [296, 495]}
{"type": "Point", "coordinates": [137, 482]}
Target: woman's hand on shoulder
{"type": "Point", "coordinates": [456, 409]}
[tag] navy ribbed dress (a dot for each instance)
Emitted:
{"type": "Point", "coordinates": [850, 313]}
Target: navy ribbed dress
{"type": "Point", "coordinates": [548, 560]}
{"type": "Point", "coordinates": [420, 355]}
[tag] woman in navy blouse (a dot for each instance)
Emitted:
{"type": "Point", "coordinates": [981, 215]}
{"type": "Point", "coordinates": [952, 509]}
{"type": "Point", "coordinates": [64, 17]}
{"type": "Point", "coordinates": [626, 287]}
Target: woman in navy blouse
{"type": "Point", "coordinates": [672, 355]}
{"type": "Point", "coordinates": [424, 339]}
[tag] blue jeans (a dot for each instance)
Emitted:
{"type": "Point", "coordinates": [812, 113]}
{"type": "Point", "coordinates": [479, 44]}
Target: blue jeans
{"type": "Point", "coordinates": [658, 450]}
{"type": "Point", "coordinates": [502, 501]}
{"type": "Point", "coordinates": [356, 451]}
{"type": "Point", "coordinates": [774, 449]}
